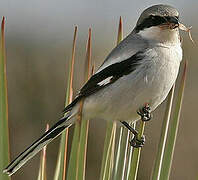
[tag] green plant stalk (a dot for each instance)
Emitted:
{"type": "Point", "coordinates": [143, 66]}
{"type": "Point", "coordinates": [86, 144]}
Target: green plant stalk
{"type": "Point", "coordinates": [4, 133]}
{"type": "Point", "coordinates": [171, 140]}
{"type": "Point", "coordinates": [121, 155]}
{"type": "Point", "coordinates": [112, 153]}
{"type": "Point", "coordinates": [130, 155]}
{"type": "Point", "coordinates": [59, 165]}
{"type": "Point", "coordinates": [82, 148]}
{"type": "Point", "coordinates": [71, 174]}
{"type": "Point", "coordinates": [60, 172]}
{"type": "Point", "coordinates": [42, 168]}
{"type": "Point", "coordinates": [120, 164]}
{"type": "Point", "coordinates": [106, 168]}
{"type": "Point", "coordinates": [136, 154]}
{"type": "Point", "coordinates": [163, 137]}
{"type": "Point", "coordinates": [42, 171]}
{"type": "Point", "coordinates": [109, 144]}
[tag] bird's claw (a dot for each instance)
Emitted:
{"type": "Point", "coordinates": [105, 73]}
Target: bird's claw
{"type": "Point", "coordinates": [137, 143]}
{"type": "Point", "coordinates": [145, 113]}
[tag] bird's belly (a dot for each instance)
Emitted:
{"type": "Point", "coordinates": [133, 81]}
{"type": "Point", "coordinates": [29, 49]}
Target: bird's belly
{"type": "Point", "coordinates": [121, 100]}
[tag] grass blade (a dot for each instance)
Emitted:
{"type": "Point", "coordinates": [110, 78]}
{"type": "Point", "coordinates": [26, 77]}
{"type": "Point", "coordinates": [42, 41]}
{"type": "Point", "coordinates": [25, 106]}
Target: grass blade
{"type": "Point", "coordinates": [130, 153]}
{"type": "Point", "coordinates": [108, 152]}
{"type": "Point", "coordinates": [82, 148]}
{"type": "Point", "coordinates": [79, 143]}
{"type": "Point", "coordinates": [121, 155]}
{"type": "Point", "coordinates": [71, 174]}
{"type": "Point", "coordinates": [107, 158]}
{"type": "Point", "coordinates": [4, 134]}
{"type": "Point", "coordinates": [136, 154]}
{"type": "Point", "coordinates": [171, 140]}
{"type": "Point", "coordinates": [42, 168]}
{"type": "Point", "coordinates": [60, 172]}
{"type": "Point", "coordinates": [163, 137]}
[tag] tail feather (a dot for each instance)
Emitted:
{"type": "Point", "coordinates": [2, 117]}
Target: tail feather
{"type": "Point", "coordinates": [32, 150]}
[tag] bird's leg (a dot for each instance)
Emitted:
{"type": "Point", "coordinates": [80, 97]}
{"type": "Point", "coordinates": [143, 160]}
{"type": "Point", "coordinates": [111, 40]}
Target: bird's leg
{"type": "Point", "coordinates": [135, 142]}
{"type": "Point", "coordinates": [145, 113]}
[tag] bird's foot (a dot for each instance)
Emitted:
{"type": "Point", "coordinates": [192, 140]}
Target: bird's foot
{"type": "Point", "coordinates": [145, 113]}
{"type": "Point", "coordinates": [137, 143]}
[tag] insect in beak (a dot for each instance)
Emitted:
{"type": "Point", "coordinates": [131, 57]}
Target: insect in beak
{"type": "Point", "coordinates": [186, 29]}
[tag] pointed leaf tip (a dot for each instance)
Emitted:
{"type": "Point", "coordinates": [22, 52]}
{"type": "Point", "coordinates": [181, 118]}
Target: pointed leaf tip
{"type": "Point", "coordinates": [120, 31]}
{"type": "Point", "coordinates": [75, 27]}
{"type": "Point", "coordinates": [88, 56]}
{"type": "Point", "coordinates": [93, 69]}
{"type": "Point", "coordinates": [89, 37]}
{"type": "Point", "coordinates": [90, 30]}
{"type": "Point", "coordinates": [3, 21]}
{"type": "Point", "coordinates": [2, 27]}
{"type": "Point", "coordinates": [120, 21]}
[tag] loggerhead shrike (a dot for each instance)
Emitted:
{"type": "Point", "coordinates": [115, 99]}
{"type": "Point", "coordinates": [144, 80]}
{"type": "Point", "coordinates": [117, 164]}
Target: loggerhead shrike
{"type": "Point", "coordinates": [136, 76]}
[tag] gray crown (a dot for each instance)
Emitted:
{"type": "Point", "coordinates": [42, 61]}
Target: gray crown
{"type": "Point", "coordinates": [158, 10]}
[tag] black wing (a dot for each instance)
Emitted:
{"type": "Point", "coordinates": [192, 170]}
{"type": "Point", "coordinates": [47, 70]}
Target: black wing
{"type": "Point", "coordinates": [106, 77]}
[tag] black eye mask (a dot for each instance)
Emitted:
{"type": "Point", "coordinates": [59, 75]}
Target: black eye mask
{"type": "Point", "coordinates": [156, 20]}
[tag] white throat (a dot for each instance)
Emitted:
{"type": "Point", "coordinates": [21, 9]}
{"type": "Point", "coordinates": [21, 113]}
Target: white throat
{"type": "Point", "coordinates": [160, 35]}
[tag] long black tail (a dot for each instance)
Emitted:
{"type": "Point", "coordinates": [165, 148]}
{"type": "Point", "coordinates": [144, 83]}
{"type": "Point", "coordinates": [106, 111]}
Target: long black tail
{"type": "Point", "coordinates": [32, 150]}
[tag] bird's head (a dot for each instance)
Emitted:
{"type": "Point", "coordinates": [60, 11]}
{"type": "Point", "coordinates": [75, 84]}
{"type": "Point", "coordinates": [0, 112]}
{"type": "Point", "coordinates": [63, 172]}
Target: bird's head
{"type": "Point", "coordinates": [159, 23]}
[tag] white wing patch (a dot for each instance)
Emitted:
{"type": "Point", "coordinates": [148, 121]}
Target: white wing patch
{"type": "Point", "coordinates": [105, 81]}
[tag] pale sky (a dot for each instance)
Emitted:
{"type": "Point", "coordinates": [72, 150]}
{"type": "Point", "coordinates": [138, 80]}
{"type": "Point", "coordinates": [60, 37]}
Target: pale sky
{"type": "Point", "coordinates": [43, 18]}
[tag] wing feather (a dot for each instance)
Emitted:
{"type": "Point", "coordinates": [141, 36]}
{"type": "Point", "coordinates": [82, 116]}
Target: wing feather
{"type": "Point", "coordinates": [107, 76]}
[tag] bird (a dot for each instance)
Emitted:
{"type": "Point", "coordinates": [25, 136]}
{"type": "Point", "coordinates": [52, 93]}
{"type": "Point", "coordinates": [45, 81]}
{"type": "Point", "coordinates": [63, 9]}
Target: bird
{"type": "Point", "coordinates": [134, 79]}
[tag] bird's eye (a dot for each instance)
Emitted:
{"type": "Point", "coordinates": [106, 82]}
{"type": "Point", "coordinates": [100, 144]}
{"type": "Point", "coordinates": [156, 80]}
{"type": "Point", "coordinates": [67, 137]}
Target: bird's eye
{"type": "Point", "coordinates": [167, 18]}
{"type": "Point", "coordinates": [152, 17]}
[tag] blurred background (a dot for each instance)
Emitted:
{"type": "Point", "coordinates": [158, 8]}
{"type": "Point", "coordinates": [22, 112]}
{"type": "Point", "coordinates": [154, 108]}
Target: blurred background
{"type": "Point", "coordinates": [39, 37]}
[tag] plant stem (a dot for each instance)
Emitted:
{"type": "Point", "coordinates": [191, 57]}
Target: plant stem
{"type": "Point", "coordinates": [136, 154]}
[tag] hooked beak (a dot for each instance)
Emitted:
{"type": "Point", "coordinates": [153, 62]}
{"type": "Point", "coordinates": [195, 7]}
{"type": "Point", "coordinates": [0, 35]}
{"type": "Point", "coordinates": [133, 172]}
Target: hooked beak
{"type": "Point", "coordinates": [170, 22]}
{"type": "Point", "coordinates": [174, 22]}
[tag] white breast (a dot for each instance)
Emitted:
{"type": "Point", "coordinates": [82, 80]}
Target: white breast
{"type": "Point", "coordinates": [162, 72]}
{"type": "Point", "coordinates": [150, 83]}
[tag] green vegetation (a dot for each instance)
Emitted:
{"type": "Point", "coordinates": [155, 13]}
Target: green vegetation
{"type": "Point", "coordinates": [119, 162]}
{"type": "Point", "coordinates": [4, 138]}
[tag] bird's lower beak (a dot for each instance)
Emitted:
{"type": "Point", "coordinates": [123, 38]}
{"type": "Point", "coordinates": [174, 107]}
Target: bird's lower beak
{"type": "Point", "coordinates": [173, 26]}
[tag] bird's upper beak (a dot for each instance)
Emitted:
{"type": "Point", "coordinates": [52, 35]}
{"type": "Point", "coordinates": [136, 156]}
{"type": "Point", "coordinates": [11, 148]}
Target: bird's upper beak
{"type": "Point", "coordinates": [170, 23]}
{"type": "Point", "coordinates": [173, 22]}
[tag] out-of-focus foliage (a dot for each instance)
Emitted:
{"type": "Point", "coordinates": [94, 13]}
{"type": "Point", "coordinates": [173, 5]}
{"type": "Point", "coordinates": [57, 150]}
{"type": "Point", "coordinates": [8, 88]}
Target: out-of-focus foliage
{"type": "Point", "coordinates": [4, 138]}
{"type": "Point", "coordinates": [37, 49]}
{"type": "Point", "coordinates": [60, 172]}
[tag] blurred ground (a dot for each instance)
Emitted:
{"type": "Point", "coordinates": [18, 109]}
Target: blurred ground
{"type": "Point", "coordinates": [38, 40]}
